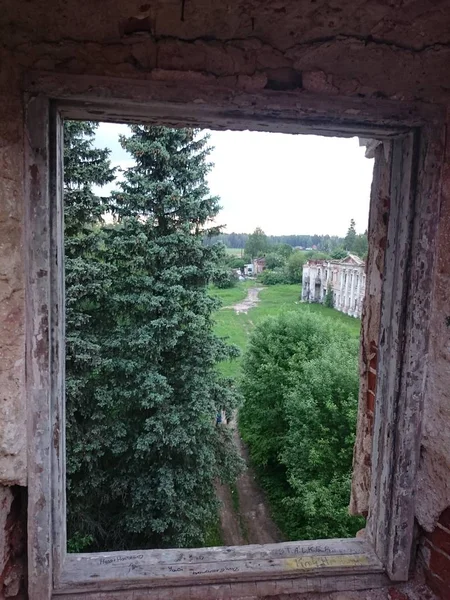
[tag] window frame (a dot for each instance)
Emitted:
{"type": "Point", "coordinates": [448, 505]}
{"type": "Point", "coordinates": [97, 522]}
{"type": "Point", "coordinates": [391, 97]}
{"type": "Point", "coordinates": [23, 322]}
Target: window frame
{"type": "Point", "coordinates": [413, 134]}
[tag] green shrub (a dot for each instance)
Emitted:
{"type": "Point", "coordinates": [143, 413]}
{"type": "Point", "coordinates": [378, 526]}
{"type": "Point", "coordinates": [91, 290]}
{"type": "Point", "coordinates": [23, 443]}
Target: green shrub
{"type": "Point", "coordinates": [339, 253]}
{"type": "Point", "coordinates": [329, 299]}
{"type": "Point", "coordinates": [226, 279]}
{"type": "Point", "coordinates": [274, 261]}
{"type": "Point", "coordinates": [294, 267]}
{"type": "Point", "coordinates": [234, 262]}
{"type": "Point", "coordinates": [299, 419]}
{"type": "Point", "coordinates": [274, 277]}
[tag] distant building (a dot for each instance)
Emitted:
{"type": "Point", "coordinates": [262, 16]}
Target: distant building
{"type": "Point", "coordinates": [248, 269]}
{"type": "Point", "coordinates": [346, 279]}
{"type": "Point", "coordinates": [259, 264]}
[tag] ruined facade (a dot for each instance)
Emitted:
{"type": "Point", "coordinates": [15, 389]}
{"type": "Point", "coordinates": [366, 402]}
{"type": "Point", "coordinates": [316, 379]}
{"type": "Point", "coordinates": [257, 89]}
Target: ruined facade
{"type": "Point", "coordinates": [259, 264]}
{"type": "Point", "coordinates": [345, 279]}
{"type": "Point", "coordinates": [259, 64]}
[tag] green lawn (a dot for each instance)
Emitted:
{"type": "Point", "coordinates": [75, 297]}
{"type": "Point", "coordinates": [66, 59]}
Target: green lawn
{"type": "Point", "coordinates": [236, 328]}
{"type": "Point", "coordinates": [235, 251]}
{"type": "Point", "coordinates": [233, 295]}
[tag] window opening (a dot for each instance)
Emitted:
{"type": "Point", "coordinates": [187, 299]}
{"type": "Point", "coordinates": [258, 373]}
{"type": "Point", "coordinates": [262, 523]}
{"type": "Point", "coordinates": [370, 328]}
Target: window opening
{"type": "Point", "coordinates": [395, 178]}
{"type": "Point", "coordinates": [161, 450]}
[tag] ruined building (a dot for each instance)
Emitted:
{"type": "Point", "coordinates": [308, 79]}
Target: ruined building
{"type": "Point", "coordinates": [372, 68]}
{"type": "Point", "coordinates": [345, 279]}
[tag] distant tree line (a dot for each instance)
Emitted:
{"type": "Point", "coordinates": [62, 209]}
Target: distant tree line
{"type": "Point", "coordinates": [239, 240]}
{"type": "Point", "coordinates": [329, 244]}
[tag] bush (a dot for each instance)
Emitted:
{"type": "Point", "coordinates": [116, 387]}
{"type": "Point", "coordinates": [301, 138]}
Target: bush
{"type": "Point", "coordinates": [329, 299]}
{"type": "Point", "coordinates": [294, 267]}
{"type": "Point", "coordinates": [234, 262]}
{"type": "Point", "coordinates": [285, 250]}
{"type": "Point", "coordinates": [226, 279]}
{"type": "Point", "coordinates": [299, 419]}
{"type": "Point", "coordinates": [339, 253]}
{"type": "Point", "coordinates": [274, 261]}
{"type": "Point", "coordinates": [275, 277]}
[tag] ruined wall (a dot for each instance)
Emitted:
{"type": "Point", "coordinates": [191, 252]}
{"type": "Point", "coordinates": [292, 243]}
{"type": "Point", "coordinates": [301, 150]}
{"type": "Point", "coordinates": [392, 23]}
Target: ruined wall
{"type": "Point", "coordinates": [372, 49]}
{"type": "Point", "coordinates": [12, 317]}
{"type": "Point", "coordinates": [12, 399]}
{"type": "Point", "coordinates": [377, 232]}
{"type": "Point", "coordinates": [12, 542]}
{"type": "Point", "coordinates": [433, 493]}
{"type": "Point", "coordinates": [380, 49]}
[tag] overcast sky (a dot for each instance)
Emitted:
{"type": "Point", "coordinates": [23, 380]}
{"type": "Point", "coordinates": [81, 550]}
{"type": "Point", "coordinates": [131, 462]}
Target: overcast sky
{"type": "Point", "coordinates": [282, 183]}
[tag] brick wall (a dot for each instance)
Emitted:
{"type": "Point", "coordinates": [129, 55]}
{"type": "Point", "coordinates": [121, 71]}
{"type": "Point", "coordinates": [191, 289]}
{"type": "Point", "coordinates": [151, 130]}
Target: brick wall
{"type": "Point", "coordinates": [12, 542]}
{"type": "Point", "coordinates": [436, 555]}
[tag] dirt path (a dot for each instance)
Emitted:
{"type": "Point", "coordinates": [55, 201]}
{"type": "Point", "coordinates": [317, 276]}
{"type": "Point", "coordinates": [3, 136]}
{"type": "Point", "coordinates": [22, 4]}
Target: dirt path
{"type": "Point", "coordinates": [250, 301]}
{"type": "Point", "coordinates": [252, 523]}
{"type": "Point", "coordinates": [230, 524]}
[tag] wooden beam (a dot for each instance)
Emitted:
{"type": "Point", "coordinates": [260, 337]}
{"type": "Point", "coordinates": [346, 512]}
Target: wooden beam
{"type": "Point", "coordinates": [251, 590]}
{"type": "Point", "coordinates": [57, 338]}
{"type": "Point", "coordinates": [403, 346]}
{"type": "Point", "coordinates": [216, 106]}
{"type": "Point", "coordinates": [38, 348]}
{"type": "Point", "coordinates": [222, 565]}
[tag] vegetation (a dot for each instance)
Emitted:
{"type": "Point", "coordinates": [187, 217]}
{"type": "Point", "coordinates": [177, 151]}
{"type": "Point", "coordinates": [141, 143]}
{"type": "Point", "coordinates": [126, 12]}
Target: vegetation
{"type": "Point", "coordinates": [300, 384]}
{"type": "Point", "coordinates": [151, 359]}
{"type": "Point", "coordinates": [236, 328]}
{"type": "Point", "coordinates": [324, 243]}
{"type": "Point", "coordinates": [333, 246]}
{"type": "Point", "coordinates": [143, 389]}
{"type": "Point", "coordinates": [329, 299]}
{"type": "Point", "coordinates": [357, 244]}
{"type": "Point", "coordinates": [257, 244]}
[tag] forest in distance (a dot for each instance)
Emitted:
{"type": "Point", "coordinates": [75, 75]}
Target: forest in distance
{"type": "Point", "coordinates": [323, 243]}
{"type": "Point", "coordinates": [151, 332]}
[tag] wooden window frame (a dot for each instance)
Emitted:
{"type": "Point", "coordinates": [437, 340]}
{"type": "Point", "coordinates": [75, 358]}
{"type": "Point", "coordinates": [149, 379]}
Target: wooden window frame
{"type": "Point", "coordinates": [413, 133]}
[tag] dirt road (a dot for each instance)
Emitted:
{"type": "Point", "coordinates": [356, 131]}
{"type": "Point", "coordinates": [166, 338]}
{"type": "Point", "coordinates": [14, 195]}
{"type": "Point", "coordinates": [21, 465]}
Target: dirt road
{"type": "Point", "coordinates": [251, 523]}
{"type": "Point", "coordinates": [250, 301]}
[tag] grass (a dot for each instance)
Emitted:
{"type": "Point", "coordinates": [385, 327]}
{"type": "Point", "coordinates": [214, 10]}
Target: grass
{"type": "Point", "coordinates": [237, 328]}
{"type": "Point", "coordinates": [213, 534]}
{"type": "Point", "coordinates": [235, 252]}
{"type": "Point", "coordinates": [230, 296]}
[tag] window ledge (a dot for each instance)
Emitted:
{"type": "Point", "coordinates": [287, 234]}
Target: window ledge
{"type": "Point", "coordinates": [323, 565]}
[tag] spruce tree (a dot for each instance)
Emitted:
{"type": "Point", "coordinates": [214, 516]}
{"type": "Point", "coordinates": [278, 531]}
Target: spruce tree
{"type": "Point", "coordinates": [350, 238]}
{"type": "Point", "coordinates": [87, 279]}
{"type": "Point", "coordinates": [158, 451]}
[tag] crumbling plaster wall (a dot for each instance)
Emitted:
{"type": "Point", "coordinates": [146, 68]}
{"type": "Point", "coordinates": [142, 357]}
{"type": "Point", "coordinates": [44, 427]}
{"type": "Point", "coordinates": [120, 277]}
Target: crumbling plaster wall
{"type": "Point", "coordinates": [12, 397]}
{"type": "Point", "coordinates": [369, 48]}
{"type": "Point", "coordinates": [433, 494]}
{"type": "Point", "coordinates": [338, 48]}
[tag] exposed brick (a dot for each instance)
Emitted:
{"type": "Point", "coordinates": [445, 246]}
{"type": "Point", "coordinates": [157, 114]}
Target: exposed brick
{"type": "Point", "coordinates": [394, 594]}
{"type": "Point", "coordinates": [440, 538]}
{"type": "Point", "coordinates": [444, 519]}
{"type": "Point", "coordinates": [373, 356]}
{"type": "Point", "coordinates": [13, 550]}
{"type": "Point", "coordinates": [439, 587]}
{"type": "Point", "coordinates": [440, 565]}
{"type": "Point", "coordinates": [372, 380]}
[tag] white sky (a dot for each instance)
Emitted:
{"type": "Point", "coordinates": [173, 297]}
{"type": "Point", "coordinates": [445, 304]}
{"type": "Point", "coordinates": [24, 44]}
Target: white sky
{"type": "Point", "coordinates": [285, 184]}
